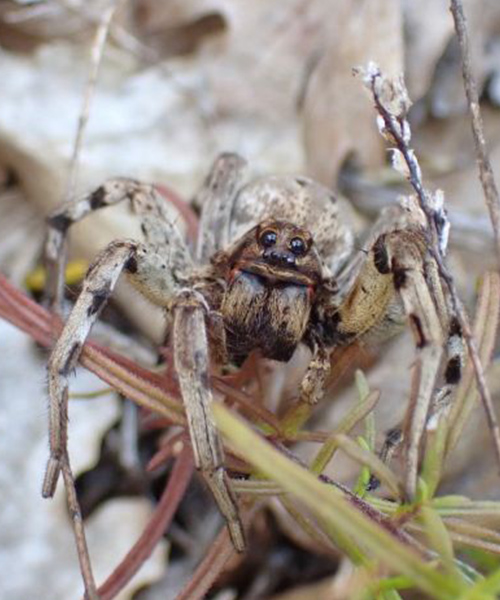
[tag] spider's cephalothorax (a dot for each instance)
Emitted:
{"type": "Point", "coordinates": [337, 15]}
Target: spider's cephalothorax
{"type": "Point", "coordinates": [274, 266]}
{"type": "Point", "coordinates": [272, 275]}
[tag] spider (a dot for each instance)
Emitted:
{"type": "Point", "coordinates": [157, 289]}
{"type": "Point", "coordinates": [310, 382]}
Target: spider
{"type": "Point", "coordinates": [275, 267]}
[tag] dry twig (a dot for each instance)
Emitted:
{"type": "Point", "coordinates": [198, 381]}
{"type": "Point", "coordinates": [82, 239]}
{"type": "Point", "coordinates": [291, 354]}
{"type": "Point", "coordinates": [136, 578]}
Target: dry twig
{"type": "Point", "coordinates": [97, 52]}
{"type": "Point", "coordinates": [55, 295]}
{"type": "Point", "coordinates": [485, 170]}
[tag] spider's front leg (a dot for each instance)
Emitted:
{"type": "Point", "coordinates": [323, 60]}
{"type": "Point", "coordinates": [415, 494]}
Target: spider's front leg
{"type": "Point", "coordinates": [399, 280]}
{"type": "Point", "coordinates": [157, 268]}
{"type": "Point", "coordinates": [97, 287]}
{"type": "Point", "coordinates": [99, 284]}
{"type": "Point", "coordinates": [192, 367]}
{"type": "Point", "coordinates": [416, 282]}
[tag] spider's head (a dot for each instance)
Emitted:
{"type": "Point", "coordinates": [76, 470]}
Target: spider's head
{"type": "Point", "coordinates": [280, 251]}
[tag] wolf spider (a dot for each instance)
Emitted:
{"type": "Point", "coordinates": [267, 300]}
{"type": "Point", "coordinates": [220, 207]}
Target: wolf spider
{"type": "Point", "coordinates": [274, 267]}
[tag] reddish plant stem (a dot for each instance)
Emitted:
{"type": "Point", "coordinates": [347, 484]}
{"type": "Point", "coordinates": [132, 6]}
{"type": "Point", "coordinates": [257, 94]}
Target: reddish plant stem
{"type": "Point", "coordinates": [166, 451]}
{"type": "Point", "coordinates": [220, 553]}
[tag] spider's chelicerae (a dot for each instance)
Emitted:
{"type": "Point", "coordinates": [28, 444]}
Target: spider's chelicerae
{"type": "Point", "coordinates": [275, 266]}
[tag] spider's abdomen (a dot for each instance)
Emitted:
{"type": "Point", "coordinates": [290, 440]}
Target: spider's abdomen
{"type": "Point", "coordinates": [271, 317]}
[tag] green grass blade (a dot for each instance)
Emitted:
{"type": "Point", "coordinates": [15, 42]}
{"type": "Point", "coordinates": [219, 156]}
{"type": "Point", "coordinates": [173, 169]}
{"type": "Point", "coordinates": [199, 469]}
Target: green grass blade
{"type": "Point", "coordinates": [487, 589]}
{"type": "Point", "coordinates": [330, 505]}
{"type": "Point", "coordinates": [359, 412]}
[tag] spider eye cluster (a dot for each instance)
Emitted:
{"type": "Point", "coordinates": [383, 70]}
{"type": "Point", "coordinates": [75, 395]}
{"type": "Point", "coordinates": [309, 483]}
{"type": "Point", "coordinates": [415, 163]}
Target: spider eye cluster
{"type": "Point", "coordinates": [268, 238]}
{"type": "Point", "coordinates": [298, 246]}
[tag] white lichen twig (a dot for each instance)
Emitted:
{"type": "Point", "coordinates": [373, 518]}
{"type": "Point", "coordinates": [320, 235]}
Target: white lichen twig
{"type": "Point", "coordinates": [392, 104]}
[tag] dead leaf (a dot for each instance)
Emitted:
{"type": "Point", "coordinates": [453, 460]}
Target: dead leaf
{"type": "Point", "coordinates": [338, 120]}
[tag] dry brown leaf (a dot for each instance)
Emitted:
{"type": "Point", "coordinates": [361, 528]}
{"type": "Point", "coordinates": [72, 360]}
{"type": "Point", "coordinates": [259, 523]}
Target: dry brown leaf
{"type": "Point", "coordinates": [433, 67]}
{"type": "Point", "coordinates": [428, 27]}
{"type": "Point", "coordinates": [338, 120]}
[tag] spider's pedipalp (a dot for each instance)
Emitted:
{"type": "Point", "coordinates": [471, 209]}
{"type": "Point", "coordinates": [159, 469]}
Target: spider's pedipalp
{"type": "Point", "coordinates": [314, 381]}
{"type": "Point", "coordinates": [192, 366]}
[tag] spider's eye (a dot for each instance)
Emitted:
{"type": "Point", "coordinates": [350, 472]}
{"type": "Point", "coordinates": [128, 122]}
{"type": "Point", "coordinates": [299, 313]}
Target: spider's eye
{"type": "Point", "coordinates": [298, 246]}
{"type": "Point", "coordinates": [268, 238]}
